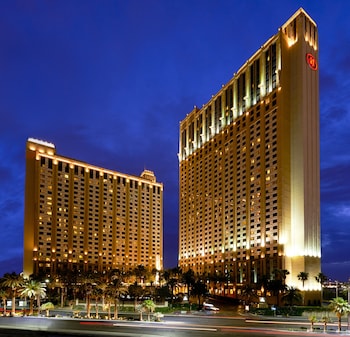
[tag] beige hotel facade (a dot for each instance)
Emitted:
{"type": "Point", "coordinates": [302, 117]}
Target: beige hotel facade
{"type": "Point", "coordinates": [86, 218]}
{"type": "Point", "coordinates": [249, 167]}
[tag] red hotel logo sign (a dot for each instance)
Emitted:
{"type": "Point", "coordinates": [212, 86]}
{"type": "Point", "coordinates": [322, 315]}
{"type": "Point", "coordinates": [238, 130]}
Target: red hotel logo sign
{"type": "Point", "coordinates": [311, 61]}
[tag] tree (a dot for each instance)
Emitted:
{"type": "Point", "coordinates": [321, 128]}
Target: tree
{"type": "Point", "coordinates": [113, 290]}
{"type": "Point", "coordinates": [154, 276]}
{"type": "Point", "coordinates": [87, 283]}
{"type": "Point", "coordinates": [13, 282]}
{"type": "Point", "coordinates": [108, 300]}
{"type": "Point", "coordinates": [281, 274]}
{"type": "Point", "coordinates": [3, 296]}
{"type": "Point", "coordinates": [41, 293]}
{"type": "Point", "coordinates": [101, 289]}
{"type": "Point", "coordinates": [313, 320]}
{"type": "Point", "coordinates": [340, 307]}
{"type": "Point", "coordinates": [47, 307]}
{"type": "Point", "coordinates": [149, 306]}
{"type": "Point", "coordinates": [172, 284]}
{"type": "Point", "coordinates": [162, 293]}
{"type": "Point", "coordinates": [135, 291]}
{"type": "Point", "coordinates": [263, 284]}
{"type": "Point", "coordinates": [60, 282]}
{"type": "Point", "coordinates": [140, 309]}
{"type": "Point", "coordinates": [303, 276]}
{"type": "Point", "coordinates": [248, 292]}
{"type": "Point", "coordinates": [96, 294]}
{"type": "Point", "coordinates": [321, 279]}
{"type": "Point", "coordinates": [176, 272]}
{"type": "Point", "coordinates": [34, 290]}
{"type": "Point", "coordinates": [172, 277]}
{"type": "Point", "coordinates": [188, 279]}
{"type": "Point", "coordinates": [140, 272]}
{"type": "Point", "coordinates": [276, 286]}
{"type": "Point", "coordinates": [292, 296]}
{"type": "Point", "coordinates": [199, 289]}
{"type": "Point", "coordinates": [325, 320]}
{"type": "Point", "coordinates": [219, 279]}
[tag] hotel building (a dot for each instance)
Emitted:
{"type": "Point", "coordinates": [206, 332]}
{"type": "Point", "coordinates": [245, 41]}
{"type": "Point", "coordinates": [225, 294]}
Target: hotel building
{"type": "Point", "coordinates": [249, 167]}
{"type": "Point", "coordinates": [82, 217]}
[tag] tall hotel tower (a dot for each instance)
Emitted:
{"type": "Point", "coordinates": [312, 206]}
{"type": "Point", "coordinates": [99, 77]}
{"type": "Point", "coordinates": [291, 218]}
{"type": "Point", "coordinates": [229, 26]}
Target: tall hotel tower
{"type": "Point", "coordinates": [249, 167]}
{"type": "Point", "coordinates": [82, 217]}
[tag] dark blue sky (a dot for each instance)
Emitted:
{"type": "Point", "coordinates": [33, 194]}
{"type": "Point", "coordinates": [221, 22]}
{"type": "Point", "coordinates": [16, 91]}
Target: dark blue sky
{"type": "Point", "coordinates": [108, 82]}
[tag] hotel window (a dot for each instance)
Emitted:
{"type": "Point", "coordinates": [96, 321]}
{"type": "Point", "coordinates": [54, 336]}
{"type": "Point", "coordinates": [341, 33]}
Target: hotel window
{"type": "Point", "coordinates": [267, 70]}
{"type": "Point", "coordinates": [229, 104]}
{"type": "Point", "coordinates": [241, 87]}
{"type": "Point", "coordinates": [255, 81]}
{"type": "Point", "coordinates": [274, 67]}
{"type": "Point", "coordinates": [208, 122]}
{"type": "Point", "coordinates": [218, 114]}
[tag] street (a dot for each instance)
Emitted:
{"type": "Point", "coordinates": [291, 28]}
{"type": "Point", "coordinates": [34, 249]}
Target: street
{"type": "Point", "coordinates": [171, 326]}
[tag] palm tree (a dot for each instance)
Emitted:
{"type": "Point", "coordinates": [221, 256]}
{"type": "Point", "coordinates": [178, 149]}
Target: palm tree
{"type": "Point", "coordinates": [47, 307]}
{"type": "Point", "coordinates": [292, 296]}
{"type": "Point", "coordinates": [108, 304]}
{"type": "Point", "coordinates": [154, 276]}
{"type": "Point", "coordinates": [60, 282]}
{"type": "Point", "coordinates": [96, 295]}
{"type": "Point", "coordinates": [101, 288]}
{"type": "Point", "coordinates": [165, 275]}
{"type": "Point", "coordinates": [313, 320]}
{"type": "Point", "coordinates": [248, 292]}
{"type": "Point", "coordinates": [162, 293]}
{"type": "Point", "coordinates": [140, 272]}
{"type": "Point", "coordinates": [188, 279]}
{"type": "Point", "coordinates": [41, 293]}
{"type": "Point", "coordinates": [325, 320]}
{"type": "Point", "coordinates": [172, 277]}
{"type": "Point", "coordinates": [149, 306]}
{"type": "Point", "coordinates": [276, 286]}
{"type": "Point", "coordinates": [303, 276]}
{"type": "Point", "coordinates": [219, 279]}
{"type": "Point", "coordinates": [281, 274]}
{"type": "Point", "coordinates": [113, 290]}
{"type": "Point", "coordinates": [199, 289]}
{"type": "Point", "coordinates": [140, 309]}
{"type": "Point", "coordinates": [13, 282]}
{"type": "Point", "coordinates": [340, 307]}
{"type": "Point", "coordinates": [176, 272]}
{"type": "Point", "coordinates": [135, 291]}
{"type": "Point", "coordinates": [87, 282]}
{"type": "Point", "coordinates": [3, 296]}
{"type": "Point", "coordinates": [172, 283]}
{"type": "Point", "coordinates": [34, 290]}
{"type": "Point", "coordinates": [321, 279]}
{"type": "Point", "coordinates": [116, 273]}
{"type": "Point", "coordinates": [263, 284]}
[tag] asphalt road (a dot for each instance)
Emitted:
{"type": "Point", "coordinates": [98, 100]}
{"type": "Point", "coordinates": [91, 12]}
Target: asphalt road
{"type": "Point", "coordinates": [171, 326]}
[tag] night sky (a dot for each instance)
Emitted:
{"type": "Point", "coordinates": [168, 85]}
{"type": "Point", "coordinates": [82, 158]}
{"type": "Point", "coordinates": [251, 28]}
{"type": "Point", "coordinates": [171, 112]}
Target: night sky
{"type": "Point", "coordinates": [109, 81]}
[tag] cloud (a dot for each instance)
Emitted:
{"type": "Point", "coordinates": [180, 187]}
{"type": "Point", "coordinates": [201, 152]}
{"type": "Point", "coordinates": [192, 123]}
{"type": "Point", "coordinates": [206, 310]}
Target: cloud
{"type": "Point", "coordinates": [345, 211]}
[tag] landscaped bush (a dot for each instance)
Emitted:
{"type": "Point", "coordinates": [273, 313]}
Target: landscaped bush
{"type": "Point", "coordinates": [280, 311]}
